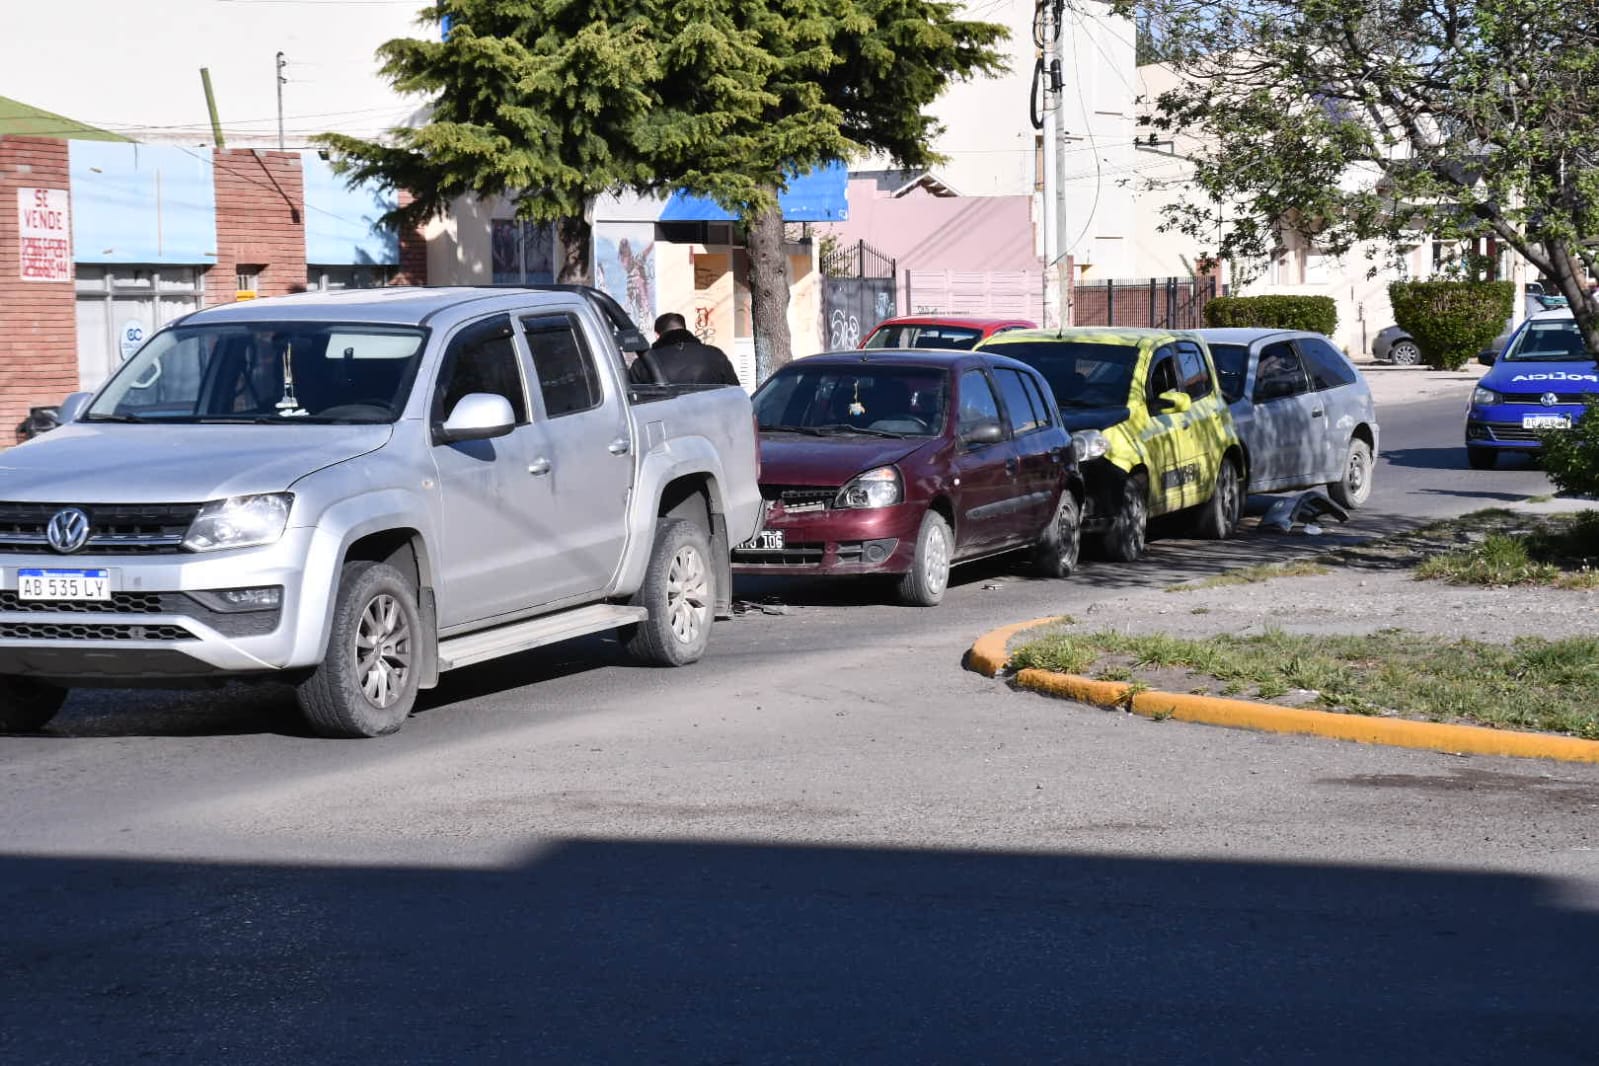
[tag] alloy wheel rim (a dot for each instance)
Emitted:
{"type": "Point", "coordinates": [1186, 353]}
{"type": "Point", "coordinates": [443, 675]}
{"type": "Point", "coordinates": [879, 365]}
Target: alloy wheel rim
{"type": "Point", "coordinates": [687, 594]}
{"type": "Point", "coordinates": [1357, 471]}
{"type": "Point", "coordinates": [1066, 536]}
{"type": "Point", "coordinates": [383, 651]}
{"type": "Point", "coordinates": [935, 571]}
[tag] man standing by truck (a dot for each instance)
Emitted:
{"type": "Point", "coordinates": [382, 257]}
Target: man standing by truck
{"type": "Point", "coordinates": [680, 358]}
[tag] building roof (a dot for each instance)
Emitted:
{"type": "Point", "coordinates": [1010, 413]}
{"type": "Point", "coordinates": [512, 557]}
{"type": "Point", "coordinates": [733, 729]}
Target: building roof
{"type": "Point", "coordinates": [18, 119]}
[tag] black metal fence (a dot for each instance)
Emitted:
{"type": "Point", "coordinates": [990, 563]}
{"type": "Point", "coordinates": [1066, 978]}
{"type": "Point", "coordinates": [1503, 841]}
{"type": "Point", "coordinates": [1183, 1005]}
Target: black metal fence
{"type": "Point", "coordinates": [1162, 303]}
{"type": "Point", "coordinates": [859, 290]}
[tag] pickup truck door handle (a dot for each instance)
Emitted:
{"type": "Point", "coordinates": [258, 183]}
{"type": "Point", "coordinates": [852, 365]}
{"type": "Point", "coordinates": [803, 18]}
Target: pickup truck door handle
{"type": "Point", "coordinates": [539, 467]}
{"type": "Point", "coordinates": [619, 446]}
{"type": "Point", "coordinates": [1316, 412]}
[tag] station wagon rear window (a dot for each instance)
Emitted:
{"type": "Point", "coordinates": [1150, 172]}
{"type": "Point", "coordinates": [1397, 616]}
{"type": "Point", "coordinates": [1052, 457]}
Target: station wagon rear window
{"type": "Point", "coordinates": [945, 337]}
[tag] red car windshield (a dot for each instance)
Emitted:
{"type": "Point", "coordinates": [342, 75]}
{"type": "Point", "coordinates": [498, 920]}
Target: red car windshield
{"type": "Point", "coordinates": [874, 400]}
{"type": "Point", "coordinates": [924, 336]}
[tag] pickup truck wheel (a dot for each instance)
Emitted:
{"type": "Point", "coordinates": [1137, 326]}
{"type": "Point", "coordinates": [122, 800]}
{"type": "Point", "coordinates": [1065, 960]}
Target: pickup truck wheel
{"type": "Point", "coordinates": [1351, 490]}
{"type": "Point", "coordinates": [1218, 516]}
{"type": "Point", "coordinates": [1056, 552]}
{"type": "Point", "coordinates": [1123, 542]}
{"type": "Point", "coordinates": [367, 683]}
{"type": "Point", "coordinates": [679, 591]}
{"type": "Point", "coordinates": [924, 583]}
{"type": "Point", "coordinates": [27, 705]}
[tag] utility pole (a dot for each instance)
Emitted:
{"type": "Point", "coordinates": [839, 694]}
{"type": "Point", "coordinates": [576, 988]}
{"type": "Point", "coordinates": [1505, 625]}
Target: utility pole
{"type": "Point", "coordinates": [1062, 263]}
{"type": "Point", "coordinates": [281, 80]}
{"type": "Point", "coordinates": [211, 107]}
{"type": "Point", "coordinates": [1049, 116]}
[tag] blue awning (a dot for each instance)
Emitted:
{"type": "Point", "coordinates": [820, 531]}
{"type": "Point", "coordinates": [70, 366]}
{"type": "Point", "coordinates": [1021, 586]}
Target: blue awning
{"type": "Point", "coordinates": [816, 196]}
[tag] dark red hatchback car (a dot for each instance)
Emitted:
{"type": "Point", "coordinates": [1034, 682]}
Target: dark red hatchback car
{"type": "Point", "coordinates": [908, 462]}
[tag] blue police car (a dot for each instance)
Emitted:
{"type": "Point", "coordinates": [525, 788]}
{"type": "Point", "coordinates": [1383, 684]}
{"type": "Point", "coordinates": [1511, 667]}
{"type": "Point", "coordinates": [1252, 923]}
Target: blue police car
{"type": "Point", "coordinates": [1544, 380]}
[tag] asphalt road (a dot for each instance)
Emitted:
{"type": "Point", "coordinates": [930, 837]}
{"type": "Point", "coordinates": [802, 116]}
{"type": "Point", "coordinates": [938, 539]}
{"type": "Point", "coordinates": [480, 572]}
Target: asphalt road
{"type": "Point", "coordinates": [826, 842]}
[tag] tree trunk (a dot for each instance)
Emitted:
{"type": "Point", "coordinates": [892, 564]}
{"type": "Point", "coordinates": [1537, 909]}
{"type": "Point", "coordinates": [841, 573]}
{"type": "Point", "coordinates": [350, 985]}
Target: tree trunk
{"type": "Point", "coordinates": [769, 292]}
{"type": "Point", "coordinates": [574, 238]}
{"type": "Point", "coordinates": [1567, 277]}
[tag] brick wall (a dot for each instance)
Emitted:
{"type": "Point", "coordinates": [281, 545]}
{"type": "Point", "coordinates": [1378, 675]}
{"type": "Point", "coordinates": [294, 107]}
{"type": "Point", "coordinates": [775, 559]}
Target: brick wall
{"type": "Point", "coordinates": [413, 269]}
{"type": "Point", "coordinates": [38, 336]}
{"type": "Point", "coordinates": [260, 222]}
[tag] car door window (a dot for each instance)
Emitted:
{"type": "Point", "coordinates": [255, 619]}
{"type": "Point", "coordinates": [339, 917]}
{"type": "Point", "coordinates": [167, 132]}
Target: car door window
{"type": "Point", "coordinates": [1195, 370]}
{"type": "Point", "coordinates": [1279, 373]}
{"type": "Point", "coordinates": [1328, 368]}
{"type": "Point", "coordinates": [568, 380]}
{"type": "Point", "coordinates": [1041, 401]}
{"type": "Point", "coordinates": [481, 358]}
{"type": "Point", "coordinates": [1024, 418]}
{"type": "Point", "coordinates": [1163, 376]}
{"type": "Point", "coordinates": [978, 404]}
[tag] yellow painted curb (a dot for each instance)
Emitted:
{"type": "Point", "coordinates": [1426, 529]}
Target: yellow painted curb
{"type": "Point", "coordinates": [988, 656]}
{"type": "Point", "coordinates": [1270, 718]}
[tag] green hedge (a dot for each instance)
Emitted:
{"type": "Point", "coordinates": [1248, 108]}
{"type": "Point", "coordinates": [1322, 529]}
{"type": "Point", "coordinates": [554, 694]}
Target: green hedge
{"type": "Point", "coordinates": [1452, 320]}
{"type": "Point", "coordinates": [1571, 456]}
{"type": "Point", "coordinates": [1319, 314]}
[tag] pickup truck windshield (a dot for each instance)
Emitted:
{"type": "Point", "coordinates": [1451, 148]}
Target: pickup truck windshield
{"type": "Point", "coordinates": [873, 400]}
{"type": "Point", "coordinates": [1548, 342]}
{"type": "Point", "coordinates": [265, 372]}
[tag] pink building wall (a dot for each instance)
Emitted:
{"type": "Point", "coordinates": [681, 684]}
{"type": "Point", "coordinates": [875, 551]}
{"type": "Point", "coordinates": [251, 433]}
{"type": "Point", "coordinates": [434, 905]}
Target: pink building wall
{"type": "Point", "coordinates": [926, 232]}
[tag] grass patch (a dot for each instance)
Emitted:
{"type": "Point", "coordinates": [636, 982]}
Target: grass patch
{"type": "Point", "coordinates": [1561, 551]}
{"type": "Point", "coordinates": [1536, 684]}
{"type": "Point", "coordinates": [1249, 575]}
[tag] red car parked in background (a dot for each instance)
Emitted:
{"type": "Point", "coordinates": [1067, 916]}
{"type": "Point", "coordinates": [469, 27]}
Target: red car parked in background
{"type": "Point", "coordinates": [907, 462]}
{"type": "Point", "coordinates": [939, 331]}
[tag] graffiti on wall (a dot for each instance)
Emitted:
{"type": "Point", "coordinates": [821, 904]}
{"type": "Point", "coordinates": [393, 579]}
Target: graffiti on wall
{"type": "Point", "coordinates": [624, 266]}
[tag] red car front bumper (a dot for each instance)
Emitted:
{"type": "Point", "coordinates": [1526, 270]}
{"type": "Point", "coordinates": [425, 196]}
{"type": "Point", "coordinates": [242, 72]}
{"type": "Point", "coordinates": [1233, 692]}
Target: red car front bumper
{"type": "Point", "coordinates": [835, 541]}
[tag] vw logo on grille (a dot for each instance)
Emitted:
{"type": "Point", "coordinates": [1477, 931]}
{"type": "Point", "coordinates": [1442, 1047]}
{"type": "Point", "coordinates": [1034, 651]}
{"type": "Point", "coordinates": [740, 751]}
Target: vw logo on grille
{"type": "Point", "coordinates": [68, 530]}
{"type": "Point", "coordinates": [1549, 399]}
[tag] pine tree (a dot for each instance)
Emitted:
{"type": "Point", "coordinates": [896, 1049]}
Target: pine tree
{"type": "Point", "coordinates": [553, 102]}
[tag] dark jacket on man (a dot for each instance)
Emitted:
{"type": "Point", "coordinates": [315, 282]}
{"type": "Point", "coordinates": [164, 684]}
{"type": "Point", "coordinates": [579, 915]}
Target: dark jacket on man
{"type": "Point", "coordinates": [679, 358]}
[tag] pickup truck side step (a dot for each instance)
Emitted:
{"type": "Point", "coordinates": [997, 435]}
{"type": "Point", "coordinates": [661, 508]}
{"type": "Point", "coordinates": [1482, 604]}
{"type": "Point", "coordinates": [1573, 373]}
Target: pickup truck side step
{"type": "Point", "coordinates": [535, 633]}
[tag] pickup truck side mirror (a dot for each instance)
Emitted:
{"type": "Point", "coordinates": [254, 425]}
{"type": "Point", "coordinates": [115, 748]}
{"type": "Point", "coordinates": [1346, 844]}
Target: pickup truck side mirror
{"type": "Point", "coordinates": [1174, 401]}
{"type": "Point", "coordinates": [1486, 356]}
{"type": "Point", "coordinates": [987, 431]}
{"type": "Point", "coordinates": [632, 340]}
{"type": "Point", "coordinates": [477, 416]}
{"type": "Point", "coordinates": [73, 406]}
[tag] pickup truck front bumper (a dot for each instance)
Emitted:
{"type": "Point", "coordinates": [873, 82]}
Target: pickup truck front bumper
{"type": "Point", "coordinates": [165, 620]}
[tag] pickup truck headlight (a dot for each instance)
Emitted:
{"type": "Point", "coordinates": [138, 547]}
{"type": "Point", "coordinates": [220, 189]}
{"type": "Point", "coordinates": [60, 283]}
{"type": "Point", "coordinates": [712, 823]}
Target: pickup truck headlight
{"type": "Point", "coordinates": [1089, 444]}
{"type": "Point", "coordinates": [239, 522]}
{"type": "Point", "coordinates": [875, 488]}
{"type": "Point", "coordinates": [1481, 397]}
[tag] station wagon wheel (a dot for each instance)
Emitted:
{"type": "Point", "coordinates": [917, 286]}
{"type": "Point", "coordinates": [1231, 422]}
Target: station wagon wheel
{"type": "Point", "coordinates": [679, 591]}
{"type": "Point", "coordinates": [26, 705]}
{"type": "Point", "coordinates": [924, 583]}
{"type": "Point", "coordinates": [1354, 487]}
{"type": "Point", "coordinates": [1124, 541]}
{"type": "Point", "coordinates": [367, 682]}
{"type": "Point", "coordinates": [1058, 547]}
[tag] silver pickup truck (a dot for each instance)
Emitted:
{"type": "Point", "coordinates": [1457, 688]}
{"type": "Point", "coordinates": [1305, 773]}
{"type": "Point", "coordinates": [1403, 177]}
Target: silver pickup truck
{"type": "Point", "coordinates": [355, 491]}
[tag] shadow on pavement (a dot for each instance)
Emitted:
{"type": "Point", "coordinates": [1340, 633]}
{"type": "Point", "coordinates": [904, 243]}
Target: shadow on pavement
{"type": "Point", "coordinates": [612, 951]}
{"type": "Point", "coordinates": [1452, 458]}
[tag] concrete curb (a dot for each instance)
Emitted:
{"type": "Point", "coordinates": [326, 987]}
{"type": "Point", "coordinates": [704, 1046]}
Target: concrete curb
{"type": "Point", "coordinates": [988, 656]}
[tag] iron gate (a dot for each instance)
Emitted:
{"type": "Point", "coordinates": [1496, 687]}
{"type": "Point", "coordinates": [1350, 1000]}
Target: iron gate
{"type": "Point", "coordinates": [858, 291]}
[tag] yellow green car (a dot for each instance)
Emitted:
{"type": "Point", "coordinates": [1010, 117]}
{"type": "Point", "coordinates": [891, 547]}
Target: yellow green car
{"type": "Point", "coordinates": [1149, 424]}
